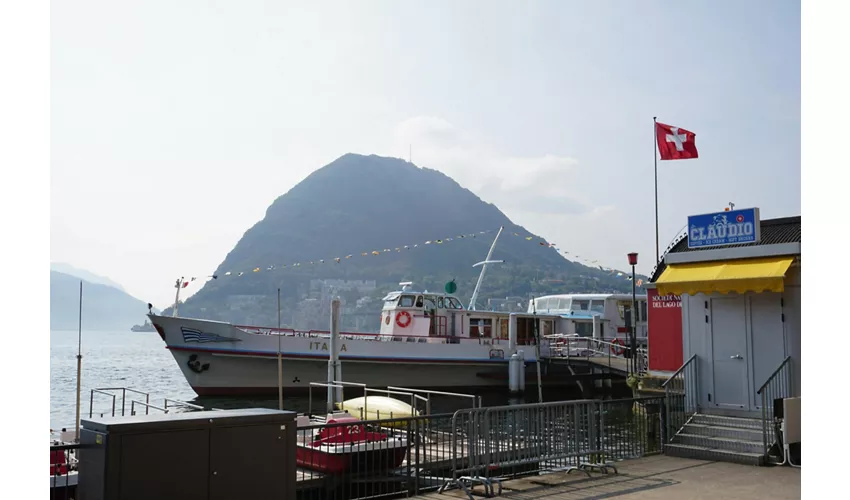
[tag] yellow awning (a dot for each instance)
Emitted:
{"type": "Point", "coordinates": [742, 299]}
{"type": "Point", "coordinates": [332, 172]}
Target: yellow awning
{"type": "Point", "coordinates": [765, 274]}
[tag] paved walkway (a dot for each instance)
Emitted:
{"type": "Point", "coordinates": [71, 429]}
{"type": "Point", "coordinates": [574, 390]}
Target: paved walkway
{"type": "Point", "coordinates": [656, 478]}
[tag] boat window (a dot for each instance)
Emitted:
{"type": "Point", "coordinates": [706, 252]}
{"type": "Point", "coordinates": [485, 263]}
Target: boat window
{"type": "Point", "coordinates": [597, 306]}
{"type": "Point", "coordinates": [545, 328]}
{"type": "Point", "coordinates": [429, 303]}
{"type": "Point", "coordinates": [480, 327]}
{"type": "Point", "coordinates": [542, 304]}
{"type": "Point", "coordinates": [563, 304]}
{"type": "Point", "coordinates": [406, 301]}
{"type": "Point", "coordinates": [584, 328]}
{"type": "Point", "coordinates": [419, 301]}
{"type": "Point", "coordinates": [440, 303]}
{"type": "Point", "coordinates": [642, 309]}
{"type": "Point", "coordinates": [454, 303]}
{"type": "Point", "coordinates": [580, 305]}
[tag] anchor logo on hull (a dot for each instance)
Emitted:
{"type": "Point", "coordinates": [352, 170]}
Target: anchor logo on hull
{"type": "Point", "coordinates": [196, 365]}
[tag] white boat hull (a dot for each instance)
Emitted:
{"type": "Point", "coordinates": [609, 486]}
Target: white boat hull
{"type": "Point", "coordinates": [219, 359]}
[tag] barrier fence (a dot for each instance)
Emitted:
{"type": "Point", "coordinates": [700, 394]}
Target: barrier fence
{"type": "Point", "coordinates": [477, 446]}
{"type": "Point", "coordinates": [354, 459]}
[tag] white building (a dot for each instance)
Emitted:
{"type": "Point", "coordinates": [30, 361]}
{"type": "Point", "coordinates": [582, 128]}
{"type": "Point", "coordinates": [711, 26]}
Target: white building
{"type": "Point", "coordinates": [740, 333]}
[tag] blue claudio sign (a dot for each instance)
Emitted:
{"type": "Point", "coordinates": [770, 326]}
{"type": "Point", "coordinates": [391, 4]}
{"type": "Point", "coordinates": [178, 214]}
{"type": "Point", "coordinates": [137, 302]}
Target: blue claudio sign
{"type": "Point", "coordinates": [724, 228]}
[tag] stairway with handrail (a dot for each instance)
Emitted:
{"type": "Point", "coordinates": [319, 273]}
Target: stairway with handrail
{"type": "Point", "coordinates": [693, 433]}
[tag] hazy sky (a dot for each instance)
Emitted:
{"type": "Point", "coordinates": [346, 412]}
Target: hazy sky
{"type": "Point", "coordinates": [176, 124]}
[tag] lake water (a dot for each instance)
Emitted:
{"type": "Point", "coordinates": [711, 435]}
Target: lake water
{"type": "Point", "coordinates": [139, 360]}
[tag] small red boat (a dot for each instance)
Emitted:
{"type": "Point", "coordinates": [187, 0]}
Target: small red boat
{"type": "Point", "coordinates": [337, 448]}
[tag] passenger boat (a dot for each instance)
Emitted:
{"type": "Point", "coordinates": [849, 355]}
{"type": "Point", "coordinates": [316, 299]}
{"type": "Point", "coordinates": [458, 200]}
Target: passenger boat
{"type": "Point", "coordinates": [599, 316]}
{"type": "Point", "coordinates": [420, 332]}
{"type": "Point", "coordinates": [344, 444]}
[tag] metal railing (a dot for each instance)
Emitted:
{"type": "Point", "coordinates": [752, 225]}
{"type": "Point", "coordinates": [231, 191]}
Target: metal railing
{"type": "Point", "coordinates": [492, 444]}
{"type": "Point", "coordinates": [364, 410]}
{"type": "Point", "coordinates": [147, 406]}
{"type": "Point", "coordinates": [681, 397]}
{"type": "Point", "coordinates": [393, 457]}
{"type": "Point", "coordinates": [364, 459]}
{"type": "Point", "coordinates": [124, 391]}
{"type": "Point", "coordinates": [778, 386]}
{"type": "Point", "coordinates": [475, 400]}
{"type": "Point", "coordinates": [176, 403]}
{"type": "Point", "coordinates": [167, 406]}
{"type": "Point", "coordinates": [63, 471]}
{"type": "Point", "coordinates": [576, 346]}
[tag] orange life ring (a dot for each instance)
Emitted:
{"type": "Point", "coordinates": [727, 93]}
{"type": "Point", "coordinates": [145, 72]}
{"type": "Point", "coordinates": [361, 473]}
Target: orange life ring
{"type": "Point", "coordinates": [403, 319]}
{"type": "Point", "coordinates": [617, 351]}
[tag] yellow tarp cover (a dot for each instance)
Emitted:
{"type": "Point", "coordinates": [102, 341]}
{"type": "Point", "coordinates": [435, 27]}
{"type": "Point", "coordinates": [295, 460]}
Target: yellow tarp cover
{"type": "Point", "coordinates": [765, 274]}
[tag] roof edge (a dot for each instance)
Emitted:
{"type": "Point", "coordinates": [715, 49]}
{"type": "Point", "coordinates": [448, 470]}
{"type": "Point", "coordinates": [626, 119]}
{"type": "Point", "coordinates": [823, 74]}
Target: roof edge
{"type": "Point", "coordinates": [733, 253]}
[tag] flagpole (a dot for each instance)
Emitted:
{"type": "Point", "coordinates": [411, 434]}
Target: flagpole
{"type": "Point", "coordinates": [655, 157]}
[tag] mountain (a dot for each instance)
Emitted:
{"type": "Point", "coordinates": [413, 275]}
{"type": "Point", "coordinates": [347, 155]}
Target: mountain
{"type": "Point", "coordinates": [104, 307]}
{"type": "Point", "coordinates": [360, 204]}
{"type": "Point", "coordinates": [65, 268]}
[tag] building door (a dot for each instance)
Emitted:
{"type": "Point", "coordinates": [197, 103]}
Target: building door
{"type": "Point", "coordinates": [768, 339]}
{"type": "Point", "coordinates": [729, 352]}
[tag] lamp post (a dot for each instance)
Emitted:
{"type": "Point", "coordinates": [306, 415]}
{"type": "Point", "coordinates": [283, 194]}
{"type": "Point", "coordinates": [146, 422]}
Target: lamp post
{"type": "Point", "coordinates": [633, 260]}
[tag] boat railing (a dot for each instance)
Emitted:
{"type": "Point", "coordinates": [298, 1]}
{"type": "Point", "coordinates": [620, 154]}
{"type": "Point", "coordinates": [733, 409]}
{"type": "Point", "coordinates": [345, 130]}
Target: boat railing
{"type": "Point", "coordinates": [380, 337]}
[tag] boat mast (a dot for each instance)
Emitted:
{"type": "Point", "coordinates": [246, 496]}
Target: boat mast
{"type": "Point", "coordinates": [484, 269]}
{"type": "Point", "coordinates": [176, 297]}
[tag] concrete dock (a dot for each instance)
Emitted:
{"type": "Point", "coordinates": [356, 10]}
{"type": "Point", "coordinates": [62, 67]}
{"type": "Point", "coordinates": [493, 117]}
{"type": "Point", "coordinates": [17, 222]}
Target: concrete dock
{"type": "Point", "coordinates": [655, 478]}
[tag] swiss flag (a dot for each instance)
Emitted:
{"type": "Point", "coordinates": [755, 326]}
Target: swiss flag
{"type": "Point", "coordinates": [675, 143]}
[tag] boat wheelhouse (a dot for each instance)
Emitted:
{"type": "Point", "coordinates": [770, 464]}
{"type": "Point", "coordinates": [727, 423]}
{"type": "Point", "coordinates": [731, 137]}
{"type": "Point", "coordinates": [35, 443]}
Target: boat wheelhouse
{"type": "Point", "coordinates": [429, 317]}
{"type": "Point", "coordinates": [459, 347]}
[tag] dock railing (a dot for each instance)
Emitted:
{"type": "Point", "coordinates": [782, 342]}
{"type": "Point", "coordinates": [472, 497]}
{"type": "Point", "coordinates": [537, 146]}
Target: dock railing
{"type": "Point", "coordinates": [112, 392]}
{"type": "Point", "coordinates": [777, 387]}
{"type": "Point", "coordinates": [475, 400]}
{"type": "Point", "coordinates": [474, 446]}
{"type": "Point", "coordinates": [573, 345]}
{"type": "Point", "coordinates": [490, 445]}
{"type": "Point", "coordinates": [681, 399]}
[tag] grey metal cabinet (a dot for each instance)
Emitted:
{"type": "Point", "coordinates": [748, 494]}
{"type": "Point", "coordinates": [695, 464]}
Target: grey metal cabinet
{"type": "Point", "coordinates": [211, 455]}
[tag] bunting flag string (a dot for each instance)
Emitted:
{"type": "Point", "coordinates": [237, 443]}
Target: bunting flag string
{"type": "Point", "coordinates": [383, 251]}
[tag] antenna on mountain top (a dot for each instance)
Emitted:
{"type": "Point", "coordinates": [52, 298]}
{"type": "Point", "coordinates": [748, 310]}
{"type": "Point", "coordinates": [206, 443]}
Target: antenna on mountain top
{"type": "Point", "coordinates": [484, 269]}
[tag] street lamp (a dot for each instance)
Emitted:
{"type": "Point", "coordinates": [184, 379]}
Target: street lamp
{"type": "Point", "coordinates": [633, 260]}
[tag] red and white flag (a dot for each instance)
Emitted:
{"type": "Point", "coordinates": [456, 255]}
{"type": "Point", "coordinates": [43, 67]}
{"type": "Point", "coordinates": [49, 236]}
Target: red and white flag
{"type": "Point", "coordinates": [675, 143]}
